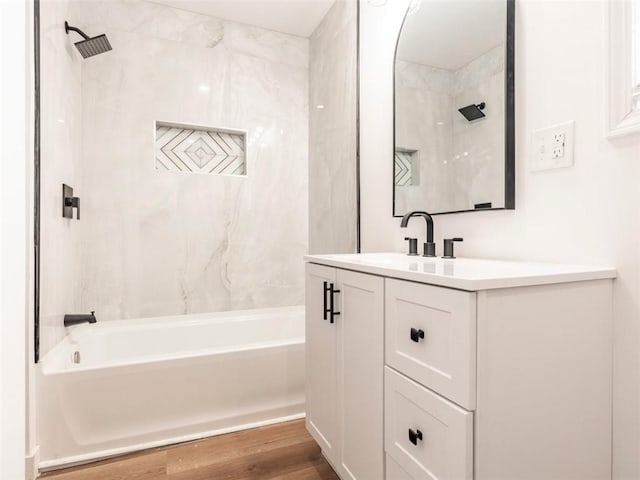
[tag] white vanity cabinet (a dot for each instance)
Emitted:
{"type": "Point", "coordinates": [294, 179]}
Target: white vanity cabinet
{"type": "Point", "coordinates": [491, 370]}
{"type": "Point", "coordinates": [344, 363]}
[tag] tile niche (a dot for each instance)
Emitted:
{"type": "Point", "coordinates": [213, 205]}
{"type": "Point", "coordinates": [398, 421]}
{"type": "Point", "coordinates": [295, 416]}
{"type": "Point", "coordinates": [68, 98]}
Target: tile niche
{"type": "Point", "coordinates": [407, 167]}
{"type": "Point", "coordinates": [191, 149]}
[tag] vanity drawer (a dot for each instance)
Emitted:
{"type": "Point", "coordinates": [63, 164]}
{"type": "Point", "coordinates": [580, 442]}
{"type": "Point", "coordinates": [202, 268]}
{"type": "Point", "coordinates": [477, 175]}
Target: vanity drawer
{"type": "Point", "coordinates": [445, 451]}
{"type": "Point", "coordinates": [430, 336]}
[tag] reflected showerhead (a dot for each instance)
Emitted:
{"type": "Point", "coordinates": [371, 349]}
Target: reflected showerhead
{"type": "Point", "coordinates": [90, 46]}
{"type": "Point", "coordinates": [473, 112]}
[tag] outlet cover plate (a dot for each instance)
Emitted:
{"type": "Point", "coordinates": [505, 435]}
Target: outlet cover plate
{"type": "Point", "coordinates": [552, 147]}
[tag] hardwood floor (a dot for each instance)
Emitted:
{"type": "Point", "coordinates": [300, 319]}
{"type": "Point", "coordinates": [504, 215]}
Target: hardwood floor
{"type": "Point", "coordinates": [278, 452]}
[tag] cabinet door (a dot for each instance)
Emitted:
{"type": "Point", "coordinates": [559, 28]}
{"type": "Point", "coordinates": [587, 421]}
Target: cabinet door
{"type": "Point", "coordinates": [361, 363]}
{"type": "Point", "coordinates": [321, 363]}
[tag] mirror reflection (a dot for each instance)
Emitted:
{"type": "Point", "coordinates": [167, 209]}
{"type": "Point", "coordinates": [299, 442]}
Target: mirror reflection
{"type": "Point", "coordinates": [453, 107]}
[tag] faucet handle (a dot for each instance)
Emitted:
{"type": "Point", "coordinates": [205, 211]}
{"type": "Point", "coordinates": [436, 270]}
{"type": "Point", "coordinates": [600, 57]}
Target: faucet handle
{"type": "Point", "coordinates": [413, 246]}
{"type": "Point", "coordinates": [448, 246]}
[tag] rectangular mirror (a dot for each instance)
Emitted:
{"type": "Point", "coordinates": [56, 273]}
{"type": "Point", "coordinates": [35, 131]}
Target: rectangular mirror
{"type": "Point", "coordinates": [454, 107]}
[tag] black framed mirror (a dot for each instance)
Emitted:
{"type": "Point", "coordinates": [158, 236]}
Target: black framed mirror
{"type": "Point", "coordinates": [454, 108]}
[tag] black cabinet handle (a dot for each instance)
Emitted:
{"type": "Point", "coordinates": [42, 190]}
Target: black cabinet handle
{"type": "Point", "coordinates": [414, 436]}
{"type": "Point", "coordinates": [416, 334]}
{"type": "Point", "coordinates": [328, 311]}
{"type": "Point", "coordinates": [325, 310]}
{"type": "Point", "coordinates": [332, 312]}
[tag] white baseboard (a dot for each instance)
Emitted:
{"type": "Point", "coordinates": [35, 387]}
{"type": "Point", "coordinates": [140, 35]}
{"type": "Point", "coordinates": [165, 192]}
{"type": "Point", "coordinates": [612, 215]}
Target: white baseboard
{"type": "Point", "coordinates": [31, 463]}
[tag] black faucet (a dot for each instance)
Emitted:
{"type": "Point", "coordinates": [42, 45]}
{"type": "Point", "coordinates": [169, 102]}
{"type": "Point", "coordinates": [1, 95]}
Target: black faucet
{"type": "Point", "coordinates": [429, 245]}
{"type": "Point", "coordinates": [76, 319]}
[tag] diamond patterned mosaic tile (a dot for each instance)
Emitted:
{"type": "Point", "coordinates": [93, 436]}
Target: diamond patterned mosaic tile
{"type": "Point", "coordinates": [189, 149]}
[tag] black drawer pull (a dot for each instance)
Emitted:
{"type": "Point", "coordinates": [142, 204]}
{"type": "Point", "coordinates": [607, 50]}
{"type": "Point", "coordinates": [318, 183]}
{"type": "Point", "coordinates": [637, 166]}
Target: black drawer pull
{"type": "Point", "coordinates": [415, 436]}
{"type": "Point", "coordinates": [325, 310]}
{"type": "Point", "coordinates": [328, 311]}
{"type": "Point", "coordinates": [416, 334]}
{"type": "Point", "coordinates": [332, 312]}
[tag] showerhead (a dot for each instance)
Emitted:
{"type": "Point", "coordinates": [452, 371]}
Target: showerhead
{"type": "Point", "coordinates": [90, 46]}
{"type": "Point", "coordinates": [473, 112]}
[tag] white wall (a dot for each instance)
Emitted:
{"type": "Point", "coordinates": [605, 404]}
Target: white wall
{"type": "Point", "coordinates": [586, 214]}
{"type": "Point", "coordinates": [15, 145]}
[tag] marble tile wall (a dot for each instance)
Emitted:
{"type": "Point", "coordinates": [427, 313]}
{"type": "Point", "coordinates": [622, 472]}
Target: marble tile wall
{"type": "Point", "coordinates": [461, 162]}
{"type": "Point", "coordinates": [332, 131]}
{"type": "Point", "coordinates": [61, 120]}
{"type": "Point", "coordinates": [155, 242]}
{"type": "Point", "coordinates": [163, 243]}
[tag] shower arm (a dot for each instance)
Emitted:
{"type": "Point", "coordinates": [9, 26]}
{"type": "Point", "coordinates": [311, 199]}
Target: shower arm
{"type": "Point", "coordinates": [68, 28]}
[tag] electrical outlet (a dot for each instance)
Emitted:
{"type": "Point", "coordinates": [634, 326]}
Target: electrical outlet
{"type": "Point", "coordinates": [552, 147]}
{"type": "Point", "coordinates": [558, 138]}
{"type": "Point", "coordinates": [557, 152]}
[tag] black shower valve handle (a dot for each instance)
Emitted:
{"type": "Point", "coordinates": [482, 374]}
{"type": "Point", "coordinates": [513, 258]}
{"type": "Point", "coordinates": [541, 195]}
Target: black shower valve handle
{"type": "Point", "coordinates": [73, 202]}
{"type": "Point", "coordinates": [69, 202]}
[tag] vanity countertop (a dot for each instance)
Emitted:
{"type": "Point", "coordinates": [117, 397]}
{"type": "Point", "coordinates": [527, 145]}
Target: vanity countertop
{"type": "Point", "coordinates": [470, 274]}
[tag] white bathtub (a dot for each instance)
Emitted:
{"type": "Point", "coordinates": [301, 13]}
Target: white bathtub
{"type": "Point", "coordinates": [151, 382]}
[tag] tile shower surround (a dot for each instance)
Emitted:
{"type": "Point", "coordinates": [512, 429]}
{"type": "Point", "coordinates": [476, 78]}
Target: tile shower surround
{"type": "Point", "coordinates": [152, 242]}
